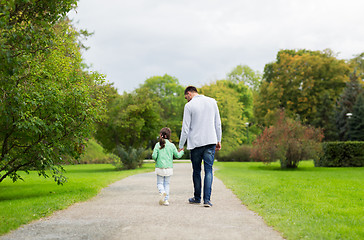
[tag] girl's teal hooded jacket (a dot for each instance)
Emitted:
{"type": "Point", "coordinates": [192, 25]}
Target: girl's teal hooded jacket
{"type": "Point", "coordinates": [164, 156]}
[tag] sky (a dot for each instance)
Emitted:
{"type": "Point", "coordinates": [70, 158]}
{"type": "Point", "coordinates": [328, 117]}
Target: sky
{"type": "Point", "coordinates": [200, 41]}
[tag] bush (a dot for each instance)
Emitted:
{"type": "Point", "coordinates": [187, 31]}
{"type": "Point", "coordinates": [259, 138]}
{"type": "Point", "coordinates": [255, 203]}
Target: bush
{"type": "Point", "coordinates": [242, 154]}
{"type": "Point", "coordinates": [129, 158]}
{"type": "Point", "coordinates": [94, 154]}
{"type": "Point", "coordinates": [341, 154]}
{"type": "Point", "coordinates": [288, 141]}
{"type": "Point", "coordinates": [187, 154]}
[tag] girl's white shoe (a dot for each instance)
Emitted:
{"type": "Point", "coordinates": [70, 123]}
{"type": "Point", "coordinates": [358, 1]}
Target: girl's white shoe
{"type": "Point", "coordinates": [166, 203]}
{"type": "Point", "coordinates": [161, 200]}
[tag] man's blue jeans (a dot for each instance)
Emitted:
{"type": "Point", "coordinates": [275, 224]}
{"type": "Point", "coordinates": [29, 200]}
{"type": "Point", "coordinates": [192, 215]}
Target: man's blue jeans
{"type": "Point", "coordinates": [206, 153]}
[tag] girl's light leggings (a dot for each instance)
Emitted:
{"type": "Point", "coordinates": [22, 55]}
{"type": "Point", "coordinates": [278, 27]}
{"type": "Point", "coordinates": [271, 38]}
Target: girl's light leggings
{"type": "Point", "coordinates": [163, 185]}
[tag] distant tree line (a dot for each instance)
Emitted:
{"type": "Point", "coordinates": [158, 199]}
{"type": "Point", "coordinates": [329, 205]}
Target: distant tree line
{"type": "Point", "coordinates": [50, 104]}
{"type": "Point", "coordinates": [313, 87]}
{"type": "Point", "coordinates": [134, 119]}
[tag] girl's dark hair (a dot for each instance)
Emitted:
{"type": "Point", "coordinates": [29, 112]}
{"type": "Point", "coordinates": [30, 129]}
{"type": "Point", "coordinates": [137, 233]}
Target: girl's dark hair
{"type": "Point", "coordinates": [165, 134]}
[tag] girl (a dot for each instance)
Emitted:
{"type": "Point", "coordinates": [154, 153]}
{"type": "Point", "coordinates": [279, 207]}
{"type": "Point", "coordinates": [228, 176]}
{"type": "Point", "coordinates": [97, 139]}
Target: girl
{"type": "Point", "coordinates": [163, 154]}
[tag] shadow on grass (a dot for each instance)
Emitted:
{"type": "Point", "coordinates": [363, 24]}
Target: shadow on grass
{"type": "Point", "coordinates": [278, 168]}
{"type": "Point", "coordinates": [102, 170]}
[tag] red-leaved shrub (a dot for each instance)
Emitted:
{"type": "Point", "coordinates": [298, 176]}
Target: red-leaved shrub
{"type": "Point", "coordinates": [287, 141]}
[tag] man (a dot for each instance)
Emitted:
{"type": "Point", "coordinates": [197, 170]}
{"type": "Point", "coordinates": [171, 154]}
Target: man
{"type": "Point", "coordinates": [201, 128]}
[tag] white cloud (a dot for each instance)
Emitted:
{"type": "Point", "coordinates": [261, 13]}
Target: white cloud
{"type": "Point", "coordinates": [199, 41]}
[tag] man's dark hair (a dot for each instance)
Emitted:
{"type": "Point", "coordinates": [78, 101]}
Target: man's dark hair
{"type": "Point", "coordinates": [190, 89]}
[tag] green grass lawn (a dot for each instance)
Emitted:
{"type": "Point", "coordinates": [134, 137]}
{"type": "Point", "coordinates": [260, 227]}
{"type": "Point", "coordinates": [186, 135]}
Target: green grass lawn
{"type": "Point", "coordinates": [37, 197]}
{"type": "Point", "coordinates": [305, 203]}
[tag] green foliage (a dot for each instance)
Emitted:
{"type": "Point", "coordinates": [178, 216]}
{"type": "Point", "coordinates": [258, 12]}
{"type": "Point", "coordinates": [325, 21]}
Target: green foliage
{"type": "Point", "coordinates": [304, 203]}
{"type": "Point", "coordinates": [296, 82]}
{"type": "Point", "coordinates": [129, 158]}
{"type": "Point", "coordinates": [132, 120]}
{"type": "Point", "coordinates": [341, 154]}
{"type": "Point", "coordinates": [35, 198]}
{"type": "Point", "coordinates": [357, 63]}
{"type": "Point", "coordinates": [242, 154]}
{"type": "Point", "coordinates": [170, 97]}
{"type": "Point", "coordinates": [186, 155]}
{"type": "Point", "coordinates": [345, 105]}
{"type": "Point", "coordinates": [325, 118]}
{"type": "Point", "coordinates": [94, 153]}
{"type": "Point", "coordinates": [26, 27]}
{"type": "Point", "coordinates": [287, 141]}
{"type": "Point", "coordinates": [48, 103]}
{"type": "Point", "coordinates": [356, 122]}
{"type": "Point", "coordinates": [245, 98]}
{"type": "Point", "coordinates": [228, 101]}
{"type": "Point", "coordinates": [245, 75]}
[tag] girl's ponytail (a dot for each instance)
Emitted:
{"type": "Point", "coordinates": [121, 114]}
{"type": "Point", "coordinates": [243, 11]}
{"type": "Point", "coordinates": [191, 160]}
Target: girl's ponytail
{"type": "Point", "coordinates": [162, 142]}
{"type": "Point", "coordinates": [165, 133]}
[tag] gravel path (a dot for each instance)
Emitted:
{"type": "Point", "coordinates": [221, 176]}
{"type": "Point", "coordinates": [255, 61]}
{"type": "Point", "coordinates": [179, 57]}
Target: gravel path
{"type": "Point", "coordinates": [129, 209]}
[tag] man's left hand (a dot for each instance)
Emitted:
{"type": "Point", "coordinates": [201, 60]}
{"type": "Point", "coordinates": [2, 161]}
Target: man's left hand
{"type": "Point", "coordinates": [218, 146]}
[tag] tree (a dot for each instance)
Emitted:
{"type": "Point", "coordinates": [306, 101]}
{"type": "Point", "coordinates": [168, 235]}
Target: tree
{"type": "Point", "coordinates": [170, 97]}
{"type": "Point", "coordinates": [296, 82]}
{"type": "Point", "coordinates": [132, 123]}
{"type": "Point", "coordinates": [48, 103]}
{"type": "Point", "coordinates": [287, 141]}
{"type": "Point", "coordinates": [244, 74]}
{"type": "Point", "coordinates": [246, 82]}
{"type": "Point", "coordinates": [356, 122]}
{"type": "Point", "coordinates": [245, 98]}
{"type": "Point", "coordinates": [345, 105]}
{"type": "Point", "coordinates": [265, 111]}
{"type": "Point", "coordinates": [132, 120]}
{"type": "Point", "coordinates": [233, 126]}
{"type": "Point", "coordinates": [325, 118]}
{"type": "Point", "coordinates": [27, 27]}
{"type": "Point", "coordinates": [357, 63]}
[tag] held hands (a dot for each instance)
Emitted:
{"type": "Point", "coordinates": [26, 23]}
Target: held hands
{"type": "Point", "coordinates": [181, 149]}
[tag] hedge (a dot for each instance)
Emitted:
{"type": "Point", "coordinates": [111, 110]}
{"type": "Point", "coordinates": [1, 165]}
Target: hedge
{"type": "Point", "coordinates": [242, 154]}
{"type": "Point", "coordinates": [341, 154]}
